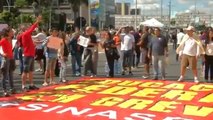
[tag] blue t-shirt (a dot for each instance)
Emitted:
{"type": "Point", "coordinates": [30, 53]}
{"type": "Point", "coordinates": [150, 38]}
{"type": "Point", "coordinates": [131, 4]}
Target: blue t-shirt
{"type": "Point", "coordinates": [158, 45]}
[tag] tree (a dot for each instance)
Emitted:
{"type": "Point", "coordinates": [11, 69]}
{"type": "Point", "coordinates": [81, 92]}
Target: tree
{"type": "Point", "coordinates": [6, 16]}
{"type": "Point", "coordinates": [173, 21]}
{"type": "Point", "coordinates": [75, 4]}
{"type": "Point", "coordinates": [20, 3]}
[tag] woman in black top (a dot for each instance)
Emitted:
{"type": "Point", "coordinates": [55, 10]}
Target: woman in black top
{"type": "Point", "coordinates": [109, 46]}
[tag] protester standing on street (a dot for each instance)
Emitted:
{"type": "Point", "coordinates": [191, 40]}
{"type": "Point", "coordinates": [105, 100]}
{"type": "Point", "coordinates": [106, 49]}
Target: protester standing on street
{"type": "Point", "coordinates": [76, 53]}
{"type": "Point", "coordinates": [159, 51]}
{"type": "Point", "coordinates": [29, 54]}
{"type": "Point", "coordinates": [109, 46]}
{"type": "Point", "coordinates": [144, 44]}
{"type": "Point", "coordinates": [51, 58]}
{"type": "Point", "coordinates": [189, 50]}
{"type": "Point", "coordinates": [88, 53]}
{"type": "Point", "coordinates": [63, 57]}
{"type": "Point", "coordinates": [95, 51]}
{"type": "Point", "coordinates": [127, 47]}
{"type": "Point", "coordinates": [209, 57]}
{"type": "Point", "coordinates": [38, 40]}
{"type": "Point", "coordinates": [180, 36]}
{"type": "Point", "coordinates": [8, 62]}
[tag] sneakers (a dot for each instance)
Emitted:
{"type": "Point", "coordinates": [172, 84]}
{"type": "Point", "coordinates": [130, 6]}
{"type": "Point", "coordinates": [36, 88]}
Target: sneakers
{"type": "Point", "coordinates": [33, 87]}
{"type": "Point", "coordinates": [123, 73]}
{"type": "Point", "coordinates": [6, 94]}
{"type": "Point", "coordinates": [163, 78]}
{"type": "Point", "coordinates": [145, 77]}
{"type": "Point", "coordinates": [52, 83]}
{"type": "Point", "coordinates": [45, 84]}
{"type": "Point", "coordinates": [130, 73]}
{"type": "Point", "coordinates": [25, 89]}
{"type": "Point", "coordinates": [196, 80]}
{"type": "Point", "coordinates": [180, 79]}
{"type": "Point", "coordinates": [77, 74]}
{"type": "Point", "coordinates": [63, 81]}
{"type": "Point", "coordinates": [38, 70]}
{"type": "Point", "coordinates": [93, 75]}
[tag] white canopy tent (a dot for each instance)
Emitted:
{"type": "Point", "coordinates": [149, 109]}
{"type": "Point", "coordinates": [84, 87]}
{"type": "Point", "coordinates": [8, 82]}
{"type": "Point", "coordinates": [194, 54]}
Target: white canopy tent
{"type": "Point", "coordinates": [152, 23]}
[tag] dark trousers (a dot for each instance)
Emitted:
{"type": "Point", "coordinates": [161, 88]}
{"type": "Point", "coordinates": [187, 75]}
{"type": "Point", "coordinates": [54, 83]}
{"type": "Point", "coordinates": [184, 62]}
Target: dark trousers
{"type": "Point", "coordinates": [21, 62]}
{"type": "Point", "coordinates": [88, 64]}
{"type": "Point", "coordinates": [208, 67]}
{"type": "Point", "coordinates": [76, 58]}
{"type": "Point", "coordinates": [44, 64]}
{"type": "Point", "coordinates": [177, 55]}
{"type": "Point", "coordinates": [138, 54]}
{"type": "Point", "coordinates": [7, 71]}
{"type": "Point", "coordinates": [110, 61]}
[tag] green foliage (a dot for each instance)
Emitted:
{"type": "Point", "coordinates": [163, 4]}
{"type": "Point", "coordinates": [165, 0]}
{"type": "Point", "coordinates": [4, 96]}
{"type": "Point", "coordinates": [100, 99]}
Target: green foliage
{"type": "Point", "coordinates": [20, 3]}
{"type": "Point", "coordinates": [200, 27]}
{"type": "Point", "coordinates": [27, 18]}
{"type": "Point", "coordinates": [6, 16]}
{"type": "Point", "coordinates": [173, 21]}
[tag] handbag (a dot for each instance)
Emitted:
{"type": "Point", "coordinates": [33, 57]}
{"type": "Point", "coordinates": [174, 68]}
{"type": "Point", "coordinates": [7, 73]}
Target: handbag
{"type": "Point", "coordinates": [116, 54]}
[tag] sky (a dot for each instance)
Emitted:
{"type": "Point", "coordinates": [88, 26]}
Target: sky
{"type": "Point", "coordinates": [177, 6]}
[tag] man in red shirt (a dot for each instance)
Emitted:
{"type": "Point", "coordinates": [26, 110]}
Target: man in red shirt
{"type": "Point", "coordinates": [29, 53]}
{"type": "Point", "coordinates": [8, 62]}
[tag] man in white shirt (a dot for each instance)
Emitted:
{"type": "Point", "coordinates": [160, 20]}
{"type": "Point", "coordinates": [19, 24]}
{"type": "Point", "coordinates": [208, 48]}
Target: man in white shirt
{"type": "Point", "coordinates": [190, 49]}
{"type": "Point", "coordinates": [39, 55]}
{"type": "Point", "coordinates": [127, 47]}
{"type": "Point", "coordinates": [180, 36]}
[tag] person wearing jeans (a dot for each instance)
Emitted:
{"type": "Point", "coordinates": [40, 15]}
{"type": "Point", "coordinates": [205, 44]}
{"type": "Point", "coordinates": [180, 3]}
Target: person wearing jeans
{"type": "Point", "coordinates": [63, 57]}
{"type": "Point", "coordinates": [109, 45]}
{"type": "Point", "coordinates": [76, 53]}
{"type": "Point", "coordinates": [8, 62]}
{"type": "Point", "coordinates": [209, 57]}
{"type": "Point", "coordinates": [158, 50]}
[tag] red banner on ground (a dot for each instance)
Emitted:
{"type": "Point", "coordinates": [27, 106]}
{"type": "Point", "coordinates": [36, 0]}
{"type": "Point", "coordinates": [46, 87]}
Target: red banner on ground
{"type": "Point", "coordinates": [112, 99]}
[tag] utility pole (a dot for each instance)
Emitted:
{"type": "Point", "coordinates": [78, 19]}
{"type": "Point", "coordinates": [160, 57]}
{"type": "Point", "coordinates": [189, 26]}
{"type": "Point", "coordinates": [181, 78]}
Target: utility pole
{"type": "Point", "coordinates": [170, 7]}
{"type": "Point", "coordinates": [136, 6]}
{"type": "Point", "coordinates": [89, 13]}
{"type": "Point", "coordinates": [195, 13]}
{"type": "Point", "coordinates": [161, 10]}
{"type": "Point", "coordinates": [80, 15]}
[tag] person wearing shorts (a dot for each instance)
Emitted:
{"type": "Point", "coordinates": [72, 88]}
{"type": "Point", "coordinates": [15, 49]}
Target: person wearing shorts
{"type": "Point", "coordinates": [39, 55]}
{"type": "Point", "coordinates": [29, 54]}
{"type": "Point", "coordinates": [144, 44]}
{"type": "Point", "coordinates": [189, 50]}
{"type": "Point", "coordinates": [51, 58]}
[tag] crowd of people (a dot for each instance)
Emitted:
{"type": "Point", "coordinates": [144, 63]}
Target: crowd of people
{"type": "Point", "coordinates": [124, 48]}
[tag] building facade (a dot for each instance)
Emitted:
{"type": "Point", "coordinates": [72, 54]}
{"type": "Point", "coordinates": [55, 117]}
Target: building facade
{"type": "Point", "coordinates": [185, 19]}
